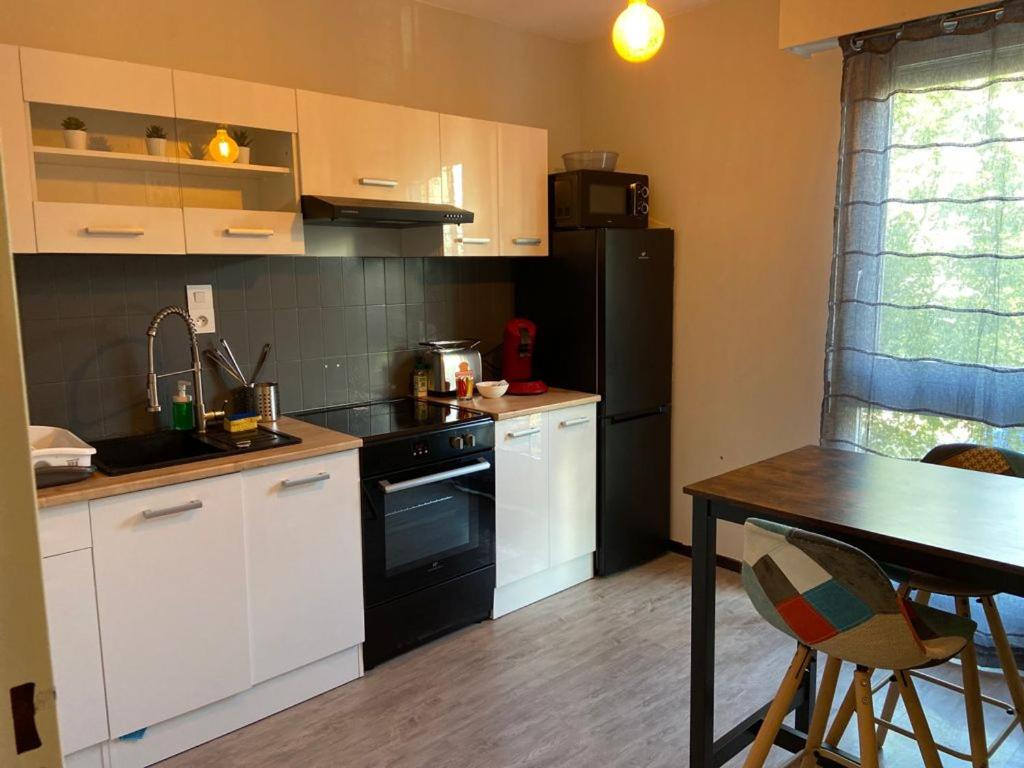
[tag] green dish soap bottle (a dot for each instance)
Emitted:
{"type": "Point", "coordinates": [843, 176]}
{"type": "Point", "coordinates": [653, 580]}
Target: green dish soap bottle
{"type": "Point", "coordinates": [182, 415]}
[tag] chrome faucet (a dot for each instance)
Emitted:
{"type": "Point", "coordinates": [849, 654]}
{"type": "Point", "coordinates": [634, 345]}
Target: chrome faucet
{"type": "Point", "coordinates": [202, 416]}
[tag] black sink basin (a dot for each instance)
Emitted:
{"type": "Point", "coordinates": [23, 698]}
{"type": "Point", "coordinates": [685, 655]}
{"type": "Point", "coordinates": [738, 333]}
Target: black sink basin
{"type": "Point", "coordinates": [136, 453]}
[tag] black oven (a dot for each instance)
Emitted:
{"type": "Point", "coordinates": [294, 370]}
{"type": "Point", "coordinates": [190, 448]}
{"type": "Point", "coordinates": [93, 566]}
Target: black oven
{"type": "Point", "coordinates": [593, 199]}
{"type": "Point", "coordinates": [424, 526]}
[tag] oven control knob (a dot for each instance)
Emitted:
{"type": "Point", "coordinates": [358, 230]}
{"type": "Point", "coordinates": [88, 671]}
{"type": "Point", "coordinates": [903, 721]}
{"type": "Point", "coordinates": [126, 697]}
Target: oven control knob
{"type": "Point", "coordinates": [457, 443]}
{"type": "Point", "coordinates": [470, 440]}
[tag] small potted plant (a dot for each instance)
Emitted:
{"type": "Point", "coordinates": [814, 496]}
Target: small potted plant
{"type": "Point", "coordinates": [156, 140]}
{"type": "Point", "coordinates": [244, 142]}
{"type": "Point", "coordinates": [75, 135]}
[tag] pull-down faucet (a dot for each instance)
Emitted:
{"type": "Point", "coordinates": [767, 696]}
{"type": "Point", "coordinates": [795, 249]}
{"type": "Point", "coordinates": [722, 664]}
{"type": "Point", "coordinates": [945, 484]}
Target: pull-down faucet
{"type": "Point", "coordinates": [199, 407]}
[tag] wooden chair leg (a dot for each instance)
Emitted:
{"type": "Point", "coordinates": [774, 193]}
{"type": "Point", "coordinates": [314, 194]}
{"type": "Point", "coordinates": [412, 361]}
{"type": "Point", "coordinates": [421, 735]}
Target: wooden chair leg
{"type": "Point", "coordinates": [822, 708]}
{"type": "Point", "coordinates": [865, 718]}
{"type": "Point", "coordinates": [779, 709]}
{"type": "Point", "coordinates": [972, 695]}
{"type": "Point", "coordinates": [1006, 658]}
{"type": "Point", "coordinates": [892, 694]}
{"type": "Point", "coordinates": [842, 719]}
{"type": "Point", "coordinates": [923, 734]}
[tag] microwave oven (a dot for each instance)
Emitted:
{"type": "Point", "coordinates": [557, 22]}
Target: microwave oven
{"type": "Point", "coordinates": [591, 199]}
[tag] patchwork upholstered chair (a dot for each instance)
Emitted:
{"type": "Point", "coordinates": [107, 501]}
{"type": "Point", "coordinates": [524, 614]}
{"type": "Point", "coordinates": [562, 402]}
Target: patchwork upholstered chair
{"type": "Point", "coordinates": [833, 598]}
{"type": "Point", "coordinates": [977, 458]}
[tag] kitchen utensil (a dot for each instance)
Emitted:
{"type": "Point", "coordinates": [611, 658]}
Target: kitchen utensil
{"type": "Point", "coordinates": [591, 160]}
{"type": "Point", "coordinates": [446, 357]}
{"type": "Point", "coordinates": [259, 363]}
{"type": "Point", "coordinates": [233, 359]}
{"type": "Point", "coordinates": [215, 357]}
{"type": "Point", "coordinates": [56, 447]}
{"type": "Point", "coordinates": [267, 401]}
{"type": "Point", "coordinates": [492, 388]}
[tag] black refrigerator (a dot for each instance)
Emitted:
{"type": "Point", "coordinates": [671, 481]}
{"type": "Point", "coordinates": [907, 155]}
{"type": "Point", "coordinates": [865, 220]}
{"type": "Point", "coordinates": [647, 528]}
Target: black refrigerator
{"type": "Point", "coordinates": [602, 303]}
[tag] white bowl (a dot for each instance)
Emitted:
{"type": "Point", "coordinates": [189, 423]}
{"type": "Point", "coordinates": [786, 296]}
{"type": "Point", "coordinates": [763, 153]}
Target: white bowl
{"type": "Point", "coordinates": [492, 388]}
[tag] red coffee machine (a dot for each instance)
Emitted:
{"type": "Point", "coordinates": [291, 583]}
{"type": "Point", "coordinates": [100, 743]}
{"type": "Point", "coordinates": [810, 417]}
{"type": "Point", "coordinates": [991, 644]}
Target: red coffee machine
{"type": "Point", "coordinates": [520, 336]}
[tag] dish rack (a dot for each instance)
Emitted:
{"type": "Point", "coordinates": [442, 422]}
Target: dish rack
{"type": "Point", "coordinates": [59, 456]}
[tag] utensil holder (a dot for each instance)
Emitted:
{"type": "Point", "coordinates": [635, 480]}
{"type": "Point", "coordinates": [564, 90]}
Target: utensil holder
{"type": "Point", "coordinates": [267, 401]}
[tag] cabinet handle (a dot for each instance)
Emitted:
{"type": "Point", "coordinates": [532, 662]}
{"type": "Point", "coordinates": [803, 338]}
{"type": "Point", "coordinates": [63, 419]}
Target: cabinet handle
{"type": "Point", "coordinates": [524, 433]}
{"type": "Point", "coordinates": [247, 232]}
{"type": "Point", "coordinates": [574, 422]}
{"type": "Point", "coordinates": [188, 506]}
{"type": "Point", "coordinates": [118, 231]}
{"type": "Point", "coordinates": [371, 182]}
{"type": "Point", "coordinates": [474, 240]}
{"type": "Point", "coordinates": [319, 477]}
{"type": "Point", "coordinates": [526, 241]}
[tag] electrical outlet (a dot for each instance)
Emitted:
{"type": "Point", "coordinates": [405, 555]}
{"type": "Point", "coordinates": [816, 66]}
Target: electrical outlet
{"type": "Point", "coordinates": [200, 307]}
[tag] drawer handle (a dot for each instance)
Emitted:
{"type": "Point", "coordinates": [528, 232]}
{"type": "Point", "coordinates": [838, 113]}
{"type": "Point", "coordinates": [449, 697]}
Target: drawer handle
{"type": "Point", "coordinates": [371, 182]}
{"type": "Point", "coordinates": [524, 433]}
{"type": "Point", "coordinates": [188, 506]}
{"type": "Point", "coordinates": [575, 422]}
{"type": "Point", "coordinates": [474, 240]}
{"type": "Point", "coordinates": [526, 241]}
{"type": "Point", "coordinates": [317, 478]}
{"type": "Point", "coordinates": [248, 232]}
{"type": "Point", "coordinates": [116, 231]}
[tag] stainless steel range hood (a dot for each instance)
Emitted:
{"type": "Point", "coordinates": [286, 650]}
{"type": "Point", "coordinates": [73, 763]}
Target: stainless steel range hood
{"type": "Point", "coordinates": [392, 214]}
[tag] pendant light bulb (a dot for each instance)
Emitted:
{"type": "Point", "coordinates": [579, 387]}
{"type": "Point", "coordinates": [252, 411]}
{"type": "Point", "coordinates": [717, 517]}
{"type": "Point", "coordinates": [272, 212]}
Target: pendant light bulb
{"type": "Point", "coordinates": [638, 32]}
{"type": "Point", "coordinates": [223, 148]}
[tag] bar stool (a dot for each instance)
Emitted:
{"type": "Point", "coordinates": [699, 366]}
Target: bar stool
{"type": "Point", "coordinates": [833, 598]}
{"type": "Point", "coordinates": [998, 461]}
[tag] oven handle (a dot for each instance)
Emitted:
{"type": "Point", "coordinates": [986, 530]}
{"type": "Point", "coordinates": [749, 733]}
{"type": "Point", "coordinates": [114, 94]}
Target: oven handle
{"type": "Point", "coordinates": [437, 477]}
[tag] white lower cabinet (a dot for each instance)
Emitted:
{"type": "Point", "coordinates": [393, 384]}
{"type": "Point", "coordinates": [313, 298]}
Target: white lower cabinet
{"type": "Point", "coordinates": [304, 561]}
{"type": "Point", "coordinates": [521, 493]}
{"type": "Point", "coordinates": [170, 581]}
{"type": "Point", "coordinates": [75, 649]}
{"type": "Point", "coordinates": [546, 504]}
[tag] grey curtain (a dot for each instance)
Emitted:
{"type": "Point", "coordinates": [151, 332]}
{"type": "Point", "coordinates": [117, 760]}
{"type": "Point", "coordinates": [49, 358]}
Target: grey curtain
{"type": "Point", "coordinates": [926, 324]}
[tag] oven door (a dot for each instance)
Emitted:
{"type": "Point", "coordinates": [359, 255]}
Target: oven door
{"type": "Point", "coordinates": [427, 525]}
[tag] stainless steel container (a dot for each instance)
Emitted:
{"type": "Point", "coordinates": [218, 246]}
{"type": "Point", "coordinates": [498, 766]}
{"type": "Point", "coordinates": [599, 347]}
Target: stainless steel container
{"type": "Point", "coordinates": [445, 359]}
{"type": "Point", "coordinates": [267, 401]}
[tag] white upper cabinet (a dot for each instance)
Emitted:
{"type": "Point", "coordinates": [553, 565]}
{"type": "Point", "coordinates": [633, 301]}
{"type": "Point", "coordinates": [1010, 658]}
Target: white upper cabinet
{"type": "Point", "coordinates": [368, 150]}
{"type": "Point", "coordinates": [304, 561]}
{"type": "Point", "coordinates": [50, 77]}
{"type": "Point", "coordinates": [213, 99]}
{"type": "Point", "coordinates": [469, 170]}
{"type": "Point", "coordinates": [16, 146]}
{"type": "Point", "coordinates": [171, 588]}
{"type": "Point", "coordinates": [523, 190]}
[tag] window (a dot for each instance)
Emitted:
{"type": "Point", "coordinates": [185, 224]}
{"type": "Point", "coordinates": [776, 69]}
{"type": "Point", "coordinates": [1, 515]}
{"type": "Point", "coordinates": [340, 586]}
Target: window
{"type": "Point", "coordinates": [926, 338]}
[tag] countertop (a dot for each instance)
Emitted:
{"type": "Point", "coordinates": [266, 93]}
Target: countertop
{"type": "Point", "coordinates": [316, 441]}
{"type": "Point", "coordinates": [511, 406]}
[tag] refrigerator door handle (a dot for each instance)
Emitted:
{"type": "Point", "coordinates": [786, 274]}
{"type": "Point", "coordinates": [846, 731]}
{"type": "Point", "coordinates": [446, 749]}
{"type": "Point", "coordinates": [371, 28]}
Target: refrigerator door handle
{"type": "Point", "coordinates": [621, 417]}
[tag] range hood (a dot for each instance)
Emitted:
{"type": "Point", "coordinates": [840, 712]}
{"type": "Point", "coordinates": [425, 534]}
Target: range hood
{"type": "Point", "coordinates": [394, 214]}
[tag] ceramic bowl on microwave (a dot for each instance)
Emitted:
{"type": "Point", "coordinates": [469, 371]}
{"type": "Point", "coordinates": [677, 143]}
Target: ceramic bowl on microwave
{"type": "Point", "coordinates": [492, 388]}
{"type": "Point", "coordinates": [591, 160]}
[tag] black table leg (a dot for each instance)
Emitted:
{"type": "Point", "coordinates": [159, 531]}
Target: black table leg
{"type": "Point", "coordinates": [808, 692]}
{"type": "Point", "coordinates": [702, 638]}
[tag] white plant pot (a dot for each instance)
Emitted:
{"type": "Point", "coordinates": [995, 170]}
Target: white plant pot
{"type": "Point", "coordinates": [243, 155]}
{"type": "Point", "coordinates": [76, 139]}
{"type": "Point", "coordinates": [156, 146]}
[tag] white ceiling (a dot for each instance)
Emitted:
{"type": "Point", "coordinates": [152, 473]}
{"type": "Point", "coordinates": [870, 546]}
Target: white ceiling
{"type": "Point", "coordinates": [572, 20]}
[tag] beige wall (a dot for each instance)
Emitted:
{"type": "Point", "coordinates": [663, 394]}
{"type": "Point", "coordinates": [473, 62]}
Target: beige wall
{"type": "Point", "coordinates": [740, 139]}
{"type": "Point", "coordinates": [396, 51]}
{"type": "Point", "coordinates": [805, 22]}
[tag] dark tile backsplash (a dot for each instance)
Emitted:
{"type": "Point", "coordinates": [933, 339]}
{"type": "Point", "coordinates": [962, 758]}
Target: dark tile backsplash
{"type": "Point", "coordinates": [343, 329]}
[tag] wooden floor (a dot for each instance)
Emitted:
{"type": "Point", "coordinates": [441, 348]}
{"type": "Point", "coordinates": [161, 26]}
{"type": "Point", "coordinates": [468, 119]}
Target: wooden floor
{"type": "Point", "coordinates": [596, 676]}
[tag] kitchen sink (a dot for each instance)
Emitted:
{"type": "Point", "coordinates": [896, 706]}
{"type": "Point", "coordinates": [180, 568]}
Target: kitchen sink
{"type": "Point", "coordinates": [136, 453]}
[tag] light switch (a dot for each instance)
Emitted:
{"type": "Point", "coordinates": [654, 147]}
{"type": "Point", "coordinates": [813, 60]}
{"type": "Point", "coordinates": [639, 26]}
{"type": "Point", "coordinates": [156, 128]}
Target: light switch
{"type": "Point", "coordinates": [200, 307]}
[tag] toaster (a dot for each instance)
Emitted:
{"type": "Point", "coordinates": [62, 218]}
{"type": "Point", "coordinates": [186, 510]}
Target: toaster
{"type": "Point", "coordinates": [446, 357]}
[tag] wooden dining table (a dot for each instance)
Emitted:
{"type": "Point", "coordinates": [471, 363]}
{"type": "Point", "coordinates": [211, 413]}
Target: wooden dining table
{"type": "Point", "coordinates": [920, 516]}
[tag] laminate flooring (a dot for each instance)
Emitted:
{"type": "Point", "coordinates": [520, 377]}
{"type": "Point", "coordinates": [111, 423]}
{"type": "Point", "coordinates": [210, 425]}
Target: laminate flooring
{"type": "Point", "coordinates": [593, 677]}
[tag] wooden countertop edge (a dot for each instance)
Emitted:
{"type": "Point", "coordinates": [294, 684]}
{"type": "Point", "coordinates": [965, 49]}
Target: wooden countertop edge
{"type": "Point", "coordinates": [316, 441]}
{"type": "Point", "coordinates": [553, 400]}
